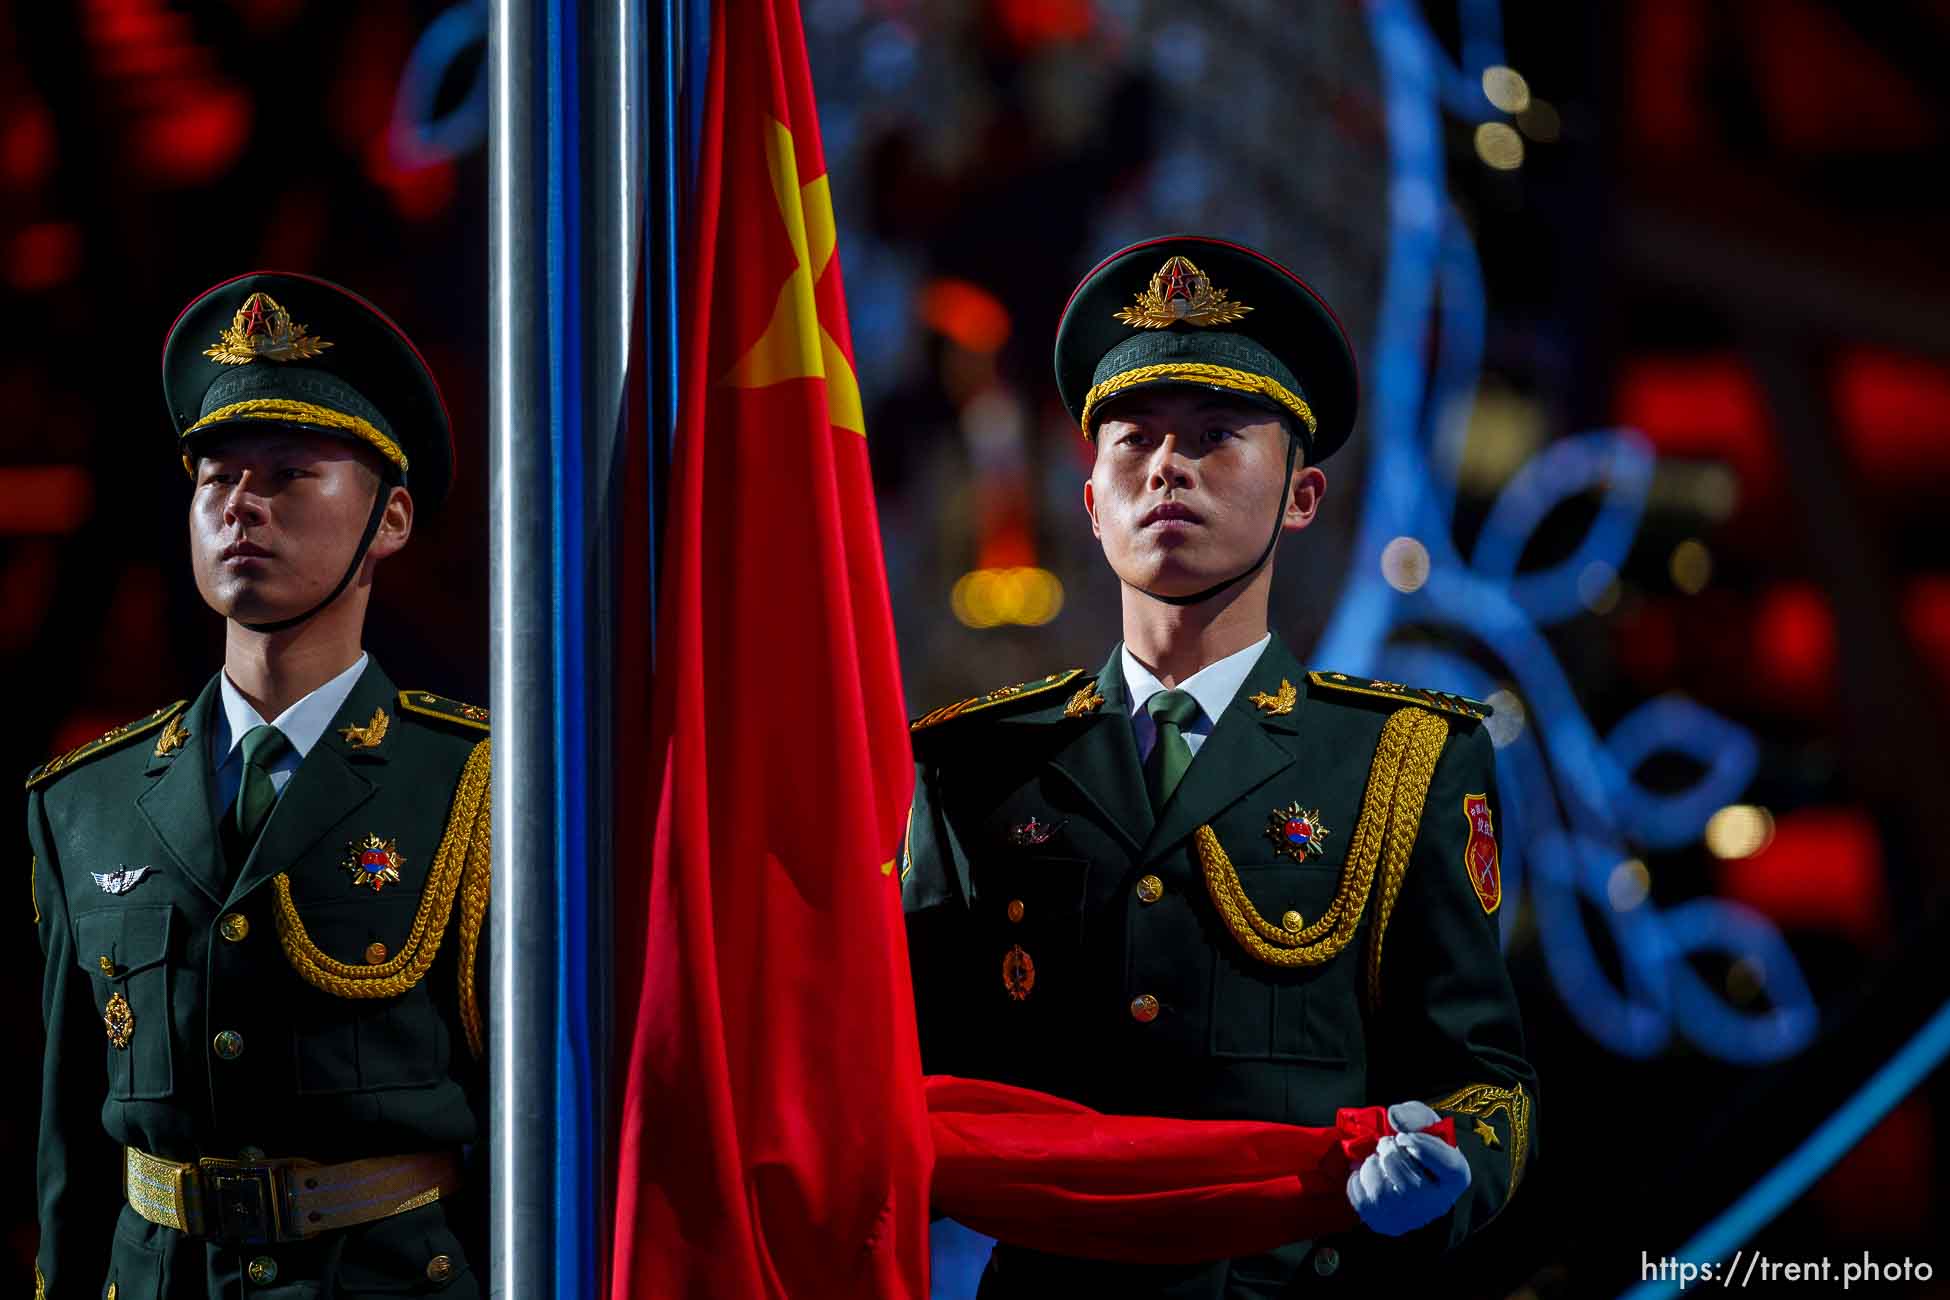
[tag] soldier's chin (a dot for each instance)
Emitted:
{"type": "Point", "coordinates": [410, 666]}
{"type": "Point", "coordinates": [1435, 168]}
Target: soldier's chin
{"type": "Point", "coordinates": [250, 603]}
{"type": "Point", "coordinates": [1172, 578]}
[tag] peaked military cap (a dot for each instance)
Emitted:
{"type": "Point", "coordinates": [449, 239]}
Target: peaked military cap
{"type": "Point", "coordinates": [275, 349]}
{"type": "Point", "coordinates": [1188, 309]}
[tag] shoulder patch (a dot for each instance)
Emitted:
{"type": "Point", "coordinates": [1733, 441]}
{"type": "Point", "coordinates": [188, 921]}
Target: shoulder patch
{"type": "Point", "coordinates": [113, 738]}
{"type": "Point", "coordinates": [429, 705]}
{"type": "Point", "coordinates": [1442, 701]}
{"type": "Point", "coordinates": [1010, 695]}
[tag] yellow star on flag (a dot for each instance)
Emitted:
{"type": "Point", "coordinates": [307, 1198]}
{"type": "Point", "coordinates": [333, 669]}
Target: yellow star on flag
{"type": "Point", "coordinates": [795, 345]}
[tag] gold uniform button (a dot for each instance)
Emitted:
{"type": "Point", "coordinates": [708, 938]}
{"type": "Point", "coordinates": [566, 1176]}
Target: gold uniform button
{"type": "Point", "coordinates": [1326, 1260]}
{"type": "Point", "coordinates": [107, 966]}
{"type": "Point", "coordinates": [40, 1288]}
{"type": "Point", "coordinates": [228, 1044]}
{"type": "Point", "coordinates": [1144, 1008]}
{"type": "Point", "coordinates": [375, 954]}
{"type": "Point", "coordinates": [1015, 909]}
{"type": "Point", "coordinates": [1150, 889]}
{"type": "Point", "coordinates": [234, 926]}
{"type": "Point", "coordinates": [440, 1268]}
{"type": "Point", "coordinates": [1294, 922]}
{"type": "Point", "coordinates": [263, 1270]}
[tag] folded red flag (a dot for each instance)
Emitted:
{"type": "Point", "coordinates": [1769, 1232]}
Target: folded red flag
{"type": "Point", "coordinates": [1038, 1171]}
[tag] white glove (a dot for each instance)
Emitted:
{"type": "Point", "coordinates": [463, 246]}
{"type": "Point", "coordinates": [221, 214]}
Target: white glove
{"type": "Point", "coordinates": [1411, 1179]}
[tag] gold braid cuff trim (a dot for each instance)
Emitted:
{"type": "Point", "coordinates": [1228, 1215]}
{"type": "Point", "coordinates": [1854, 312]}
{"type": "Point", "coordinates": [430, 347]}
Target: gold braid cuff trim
{"type": "Point", "coordinates": [1239, 381]}
{"type": "Point", "coordinates": [409, 965]}
{"type": "Point", "coordinates": [473, 909]}
{"type": "Point", "coordinates": [284, 408]}
{"type": "Point", "coordinates": [1383, 840]}
{"type": "Point", "coordinates": [1483, 1100]}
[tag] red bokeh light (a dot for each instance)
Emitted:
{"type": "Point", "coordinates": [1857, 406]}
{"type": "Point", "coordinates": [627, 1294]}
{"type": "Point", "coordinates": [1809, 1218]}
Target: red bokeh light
{"type": "Point", "coordinates": [1026, 24]}
{"type": "Point", "coordinates": [1895, 412]}
{"type": "Point", "coordinates": [1822, 871]}
{"type": "Point", "coordinates": [1703, 408]}
{"type": "Point", "coordinates": [43, 256]}
{"type": "Point", "coordinates": [417, 193]}
{"type": "Point", "coordinates": [198, 137]}
{"type": "Point", "coordinates": [1794, 642]}
{"type": "Point", "coordinates": [965, 312]}
{"type": "Point", "coordinates": [26, 146]}
{"type": "Point", "coordinates": [1883, 1189]}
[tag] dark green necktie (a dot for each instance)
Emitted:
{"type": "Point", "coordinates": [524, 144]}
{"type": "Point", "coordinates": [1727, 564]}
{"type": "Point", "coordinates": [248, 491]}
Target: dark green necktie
{"type": "Point", "coordinates": [256, 796]}
{"type": "Point", "coordinates": [1171, 712]}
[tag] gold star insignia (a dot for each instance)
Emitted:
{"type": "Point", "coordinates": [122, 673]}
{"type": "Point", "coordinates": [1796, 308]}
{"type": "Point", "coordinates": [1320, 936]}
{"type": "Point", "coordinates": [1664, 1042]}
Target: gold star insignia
{"type": "Point", "coordinates": [1488, 1134]}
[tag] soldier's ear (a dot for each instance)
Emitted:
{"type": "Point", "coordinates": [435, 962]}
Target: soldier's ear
{"type": "Point", "coordinates": [1090, 507]}
{"type": "Point", "coordinates": [395, 524]}
{"type": "Point", "coordinates": [1304, 493]}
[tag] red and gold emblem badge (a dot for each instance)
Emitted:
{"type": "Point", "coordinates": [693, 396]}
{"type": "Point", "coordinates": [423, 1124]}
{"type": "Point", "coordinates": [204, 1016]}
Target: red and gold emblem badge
{"type": "Point", "coordinates": [1180, 293]}
{"type": "Point", "coordinates": [263, 331]}
{"type": "Point", "coordinates": [1296, 832]}
{"type": "Point", "coordinates": [374, 862]}
{"type": "Point", "coordinates": [1479, 854]}
{"type": "Point", "coordinates": [1018, 973]}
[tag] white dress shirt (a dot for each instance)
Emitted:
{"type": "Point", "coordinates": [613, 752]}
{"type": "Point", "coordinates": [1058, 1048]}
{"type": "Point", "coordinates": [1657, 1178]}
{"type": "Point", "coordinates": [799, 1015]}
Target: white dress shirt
{"type": "Point", "coordinates": [1213, 686]}
{"type": "Point", "coordinates": [302, 724]}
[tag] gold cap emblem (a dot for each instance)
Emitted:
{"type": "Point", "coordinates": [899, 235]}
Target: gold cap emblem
{"type": "Point", "coordinates": [1181, 293]}
{"type": "Point", "coordinates": [262, 329]}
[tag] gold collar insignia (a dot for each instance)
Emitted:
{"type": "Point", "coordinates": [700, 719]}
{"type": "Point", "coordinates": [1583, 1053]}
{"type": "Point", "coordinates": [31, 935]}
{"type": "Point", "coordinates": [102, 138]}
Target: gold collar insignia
{"type": "Point", "coordinates": [368, 736]}
{"type": "Point", "coordinates": [1275, 704]}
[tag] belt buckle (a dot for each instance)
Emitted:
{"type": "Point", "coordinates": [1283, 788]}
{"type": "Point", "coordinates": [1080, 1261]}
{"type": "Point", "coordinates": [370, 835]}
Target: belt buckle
{"type": "Point", "coordinates": [242, 1202]}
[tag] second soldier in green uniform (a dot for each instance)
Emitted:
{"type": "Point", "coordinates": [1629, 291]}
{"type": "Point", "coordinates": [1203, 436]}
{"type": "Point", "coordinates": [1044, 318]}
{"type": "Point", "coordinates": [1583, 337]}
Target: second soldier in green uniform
{"type": "Point", "coordinates": [1163, 888]}
{"type": "Point", "coordinates": [261, 909]}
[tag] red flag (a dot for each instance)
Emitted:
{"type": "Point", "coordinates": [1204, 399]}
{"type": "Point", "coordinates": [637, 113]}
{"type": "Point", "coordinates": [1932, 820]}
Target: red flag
{"type": "Point", "coordinates": [775, 1138]}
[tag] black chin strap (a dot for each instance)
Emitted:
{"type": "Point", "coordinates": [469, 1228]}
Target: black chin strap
{"type": "Point", "coordinates": [1286, 489]}
{"type": "Point", "coordinates": [358, 557]}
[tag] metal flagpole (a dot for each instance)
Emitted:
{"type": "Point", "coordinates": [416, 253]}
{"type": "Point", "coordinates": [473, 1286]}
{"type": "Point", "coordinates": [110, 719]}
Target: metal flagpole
{"type": "Point", "coordinates": [566, 177]}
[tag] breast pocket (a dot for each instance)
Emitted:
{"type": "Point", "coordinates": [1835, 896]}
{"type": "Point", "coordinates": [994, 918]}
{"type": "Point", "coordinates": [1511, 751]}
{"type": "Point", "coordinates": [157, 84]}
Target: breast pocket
{"type": "Point", "coordinates": [1265, 1012]}
{"type": "Point", "coordinates": [125, 951]}
{"type": "Point", "coordinates": [393, 1039]}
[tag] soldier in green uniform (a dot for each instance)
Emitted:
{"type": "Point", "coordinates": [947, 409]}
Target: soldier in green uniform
{"type": "Point", "coordinates": [261, 910]}
{"type": "Point", "coordinates": [1207, 881]}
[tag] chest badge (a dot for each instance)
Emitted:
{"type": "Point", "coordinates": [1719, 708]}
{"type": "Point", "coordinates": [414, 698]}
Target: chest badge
{"type": "Point", "coordinates": [1479, 854]}
{"type": "Point", "coordinates": [374, 862]}
{"type": "Point", "coordinates": [1032, 832]}
{"type": "Point", "coordinates": [1297, 832]}
{"type": "Point", "coordinates": [119, 1021]}
{"type": "Point", "coordinates": [1018, 973]}
{"type": "Point", "coordinates": [121, 880]}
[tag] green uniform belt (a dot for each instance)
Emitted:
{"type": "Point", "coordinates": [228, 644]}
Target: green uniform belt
{"type": "Point", "coordinates": [249, 1201]}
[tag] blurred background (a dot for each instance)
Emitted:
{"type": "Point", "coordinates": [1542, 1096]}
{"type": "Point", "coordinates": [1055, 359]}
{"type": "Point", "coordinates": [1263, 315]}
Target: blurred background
{"type": "Point", "coordinates": [1657, 364]}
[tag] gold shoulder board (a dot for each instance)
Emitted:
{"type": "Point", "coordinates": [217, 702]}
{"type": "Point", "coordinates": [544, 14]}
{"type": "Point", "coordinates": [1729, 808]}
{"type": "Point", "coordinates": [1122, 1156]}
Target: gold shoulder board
{"type": "Point", "coordinates": [1442, 701]}
{"type": "Point", "coordinates": [1000, 695]}
{"type": "Point", "coordinates": [113, 738]}
{"type": "Point", "coordinates": [429, 705]}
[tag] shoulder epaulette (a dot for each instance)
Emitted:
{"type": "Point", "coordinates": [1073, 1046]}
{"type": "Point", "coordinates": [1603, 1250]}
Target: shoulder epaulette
{"type": "Point", "coordinates": [113, 738]}
{"type": "Point", "coordinates": [1001, 695]}
{"type": "Point", "coordinates": [1443, 701]}
{"type": "Point", "coordinates": [429, 705]}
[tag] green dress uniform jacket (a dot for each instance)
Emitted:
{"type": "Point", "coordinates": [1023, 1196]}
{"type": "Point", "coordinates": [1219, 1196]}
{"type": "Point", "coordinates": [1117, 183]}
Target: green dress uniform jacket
{"type": "Point", "coordinates": [1064, 938]}
{"type": "Point", "coordinates": [280, 1007]}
